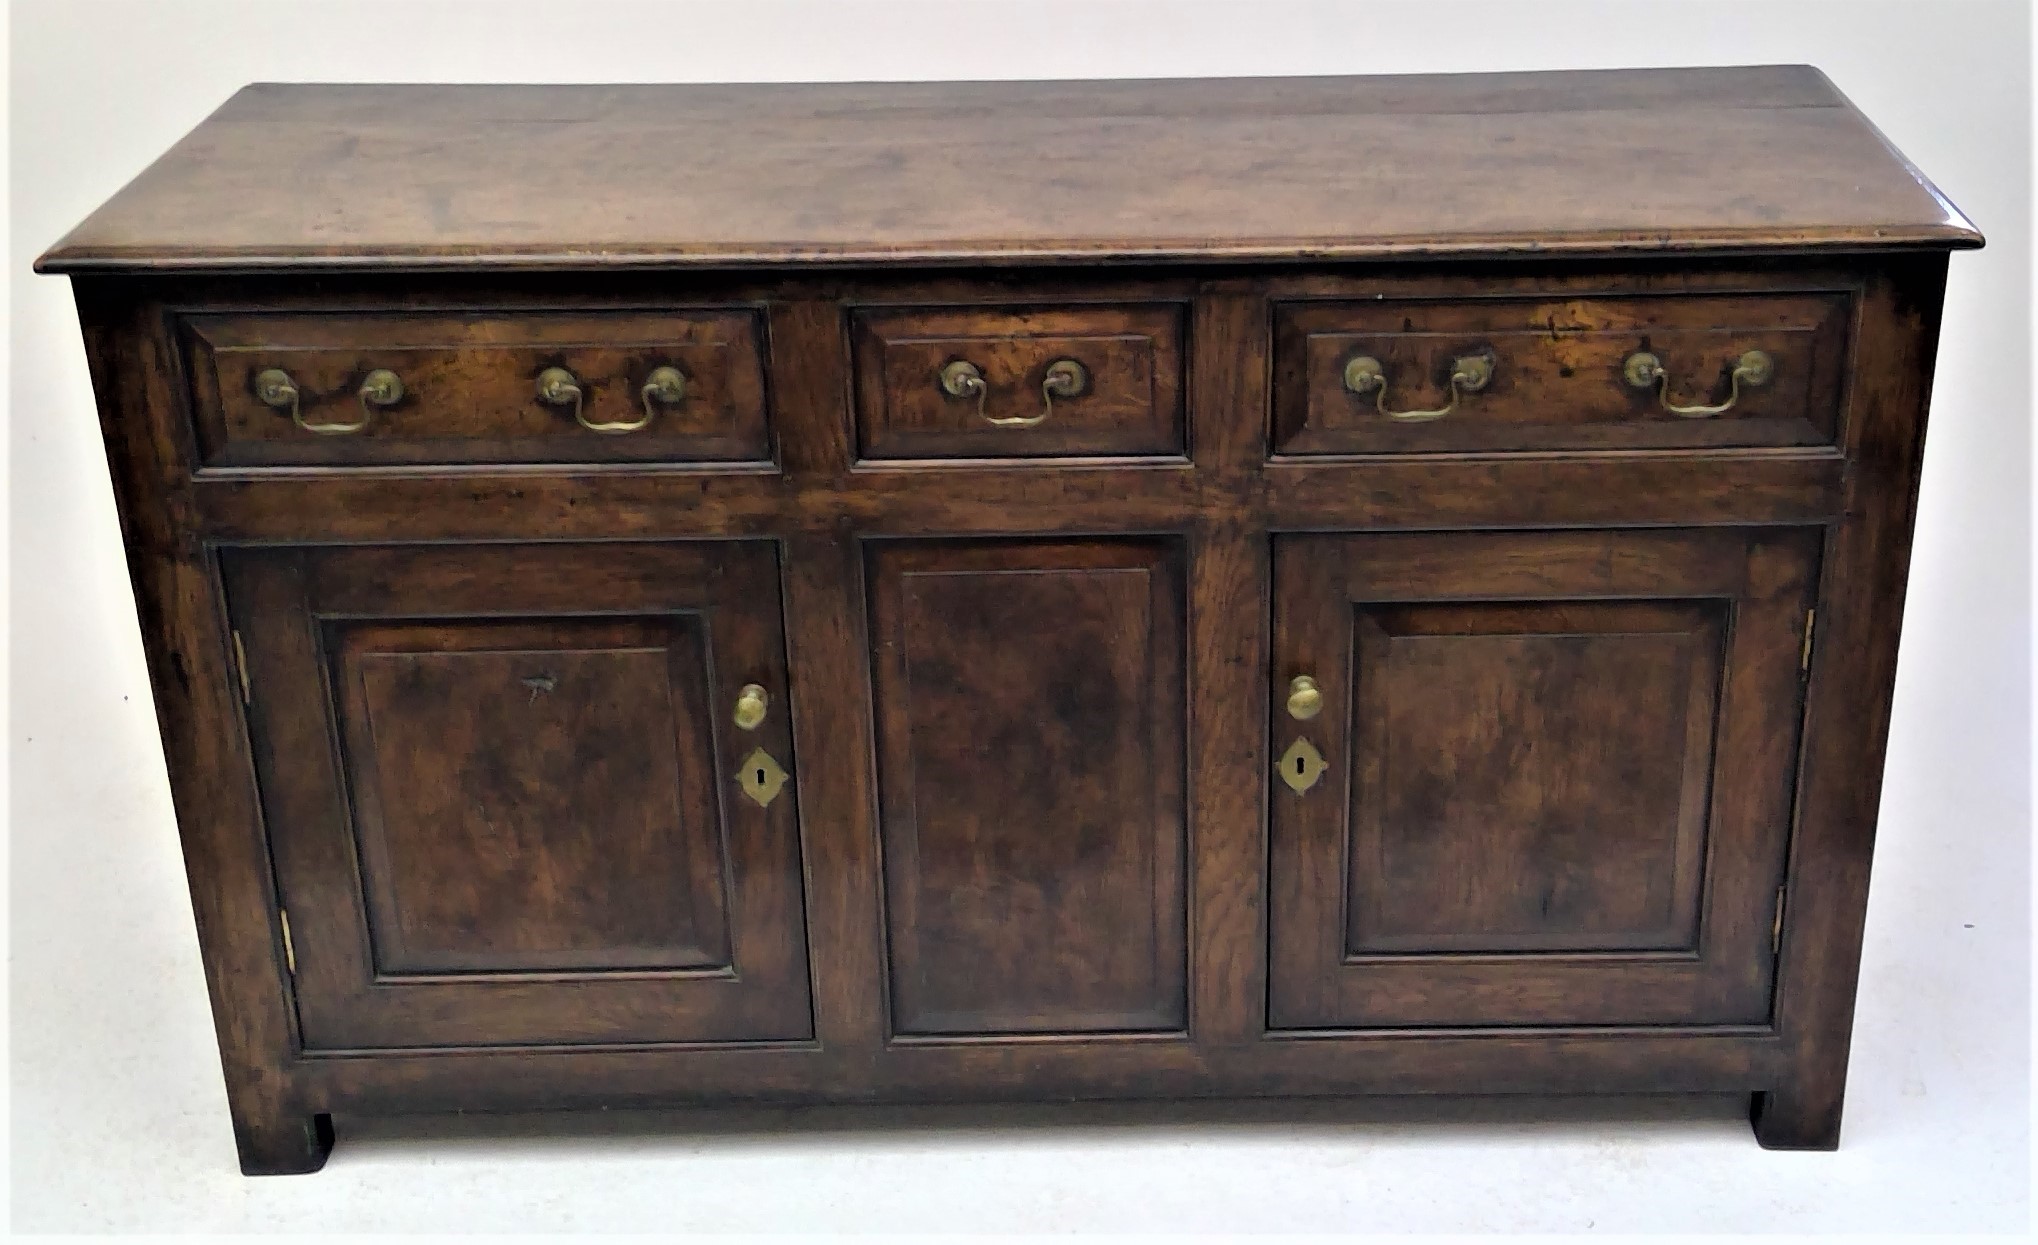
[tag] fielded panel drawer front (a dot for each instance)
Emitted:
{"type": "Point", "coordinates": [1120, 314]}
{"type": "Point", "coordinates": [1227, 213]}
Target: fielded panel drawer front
{"type": "Point", "coordinates": [497, 386]}
{"type": "Point", "coordinates": [931, 592]}
{"type": "Point", "coordinates": [505, 803]}
{"type": "Point", "coordinates": [1045, 381]}
{"type": "Point", "coordinates": [1558, 372]}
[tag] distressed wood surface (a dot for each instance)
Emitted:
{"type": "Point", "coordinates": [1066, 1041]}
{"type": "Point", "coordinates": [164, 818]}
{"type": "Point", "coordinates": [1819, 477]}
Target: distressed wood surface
{"type": "Point", "coordinates": [1029, 688]}
{"type": "Point", "coordinates": [1559, 775]}
{"type": "Point", "coordinates": [1030, 714]}
{"type": "Point", "coordinates": [555, 861]}
{"type": "Point", "coordinates": [365, 176]}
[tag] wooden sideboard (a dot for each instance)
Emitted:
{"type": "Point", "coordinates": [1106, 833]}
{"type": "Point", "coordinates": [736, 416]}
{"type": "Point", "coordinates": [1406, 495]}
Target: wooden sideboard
{"type": "Point", "coordinates": [685, 594]}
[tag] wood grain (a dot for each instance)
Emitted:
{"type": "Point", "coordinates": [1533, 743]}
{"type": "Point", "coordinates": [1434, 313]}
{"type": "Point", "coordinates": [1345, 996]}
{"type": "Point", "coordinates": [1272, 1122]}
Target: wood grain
{"type": "Point", "coordinates": [1530, 778]}
{"type": "Point", "coordinates": [1130, 402]}
{"type": "Point", "coordinates": [1557, 378]}
{"type": "Point", "coordinates": [1848, 705]}
{"type": "Point", "coordinates": [534, 797]}
{"type": "Point", "coordinates": [503, 895]}
{"type": "Point", "coordinates": [1029, 688]}
{"type": "Point", "coordinates": [1030, 701]}
{"type": "Point", "coordinates": [1498, 842]}
{"type": "Point", "coordinates": [470, 386]}
{"type": "Point", "coordinates": [976, 172]}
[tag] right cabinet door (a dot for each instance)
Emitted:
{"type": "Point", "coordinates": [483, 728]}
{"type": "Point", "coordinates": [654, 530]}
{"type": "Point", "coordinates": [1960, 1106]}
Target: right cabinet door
{"type": "Point", "coordinates": [1544, 778]}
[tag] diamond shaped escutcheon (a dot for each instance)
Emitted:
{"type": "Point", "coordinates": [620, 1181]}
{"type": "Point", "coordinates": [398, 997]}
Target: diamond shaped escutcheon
{"type": "Point", "coordinates": [760, 777]}
{"type": "Point", "coordinates": [1301, 765]}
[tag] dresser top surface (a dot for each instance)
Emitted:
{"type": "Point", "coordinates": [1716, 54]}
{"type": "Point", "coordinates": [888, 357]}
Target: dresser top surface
{"type": "Point", "coordinates": [387, 176]}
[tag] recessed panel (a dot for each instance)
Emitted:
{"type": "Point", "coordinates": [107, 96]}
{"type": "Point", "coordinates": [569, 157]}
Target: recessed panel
{"type": "Point", "coordinates": [1030, 701]}
{"type": "Point", "coordinates": [1530, 777]}
{"type": "Point", "coordinates": [1557, 782]}
{"type": "Point", "coordinates": [504, 791]}
{"type": "Point", "coordinates": [534, 796]}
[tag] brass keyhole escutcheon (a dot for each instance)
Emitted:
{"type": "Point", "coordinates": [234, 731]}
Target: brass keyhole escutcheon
{"type": "Point", "coordinates": [761, 777]}
{"type": "Point", "coordinates": [1305, 699]}
{"type": "Point", "coordinates": [1301, 766]}
{"type": "Point", "coordinates": [751, 704]}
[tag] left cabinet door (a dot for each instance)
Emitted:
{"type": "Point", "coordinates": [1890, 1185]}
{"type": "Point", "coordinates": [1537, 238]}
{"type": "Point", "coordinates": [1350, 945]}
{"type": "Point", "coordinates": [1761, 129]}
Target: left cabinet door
{"type": "Point", "coordinates": [511, 798]}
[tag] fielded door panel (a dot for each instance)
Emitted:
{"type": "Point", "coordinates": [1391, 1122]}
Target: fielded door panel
{"type": "Point", "coordinates": [509, 796]}
{"type": "Point", "coordinates": [1031, 771]}
{"type": "Point", "coordinates": [1546, 777]}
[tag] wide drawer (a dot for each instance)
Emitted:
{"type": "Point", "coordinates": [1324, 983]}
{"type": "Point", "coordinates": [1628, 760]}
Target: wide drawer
{"type": "Point", "coordinates": [1498, 374]}
{"type": "Point", "coordinates": [1086, 380]}
{"type": "Point", "coordinates": [371, 388]}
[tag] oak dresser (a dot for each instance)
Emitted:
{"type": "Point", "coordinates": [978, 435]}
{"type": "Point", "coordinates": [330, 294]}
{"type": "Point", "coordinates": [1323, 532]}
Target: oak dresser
{"type": "Point", "coordinates": [917, 592]}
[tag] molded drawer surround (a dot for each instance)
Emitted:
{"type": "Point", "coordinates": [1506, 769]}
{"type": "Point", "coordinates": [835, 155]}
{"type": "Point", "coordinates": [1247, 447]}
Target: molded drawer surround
{"type": "Point", "coordinates": [1039, 381]}
{"type": "Point", "coordinates": [1410, 375]}
{"type": "Point", "coordinates": [665, 384]}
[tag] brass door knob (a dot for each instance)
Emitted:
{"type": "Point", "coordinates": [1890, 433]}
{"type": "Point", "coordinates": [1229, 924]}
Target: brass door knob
{"type": "Point", "coordinates": [751, 704]}
{"type": "Point", "coordinates": [1305, 699]}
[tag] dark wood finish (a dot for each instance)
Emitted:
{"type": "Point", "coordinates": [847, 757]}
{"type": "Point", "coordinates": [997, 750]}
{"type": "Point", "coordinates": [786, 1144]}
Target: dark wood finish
{"type": "Point", "coordinates": [1029, 684]}
{"type": "Point", "coordinates": [1853, 674]}
{"type": "Point", "coordinates": [486, 845]}
{"type": "Point", "coordinates": [1560, 779]}
{"type": "Point", "coordinates": [1130, 402]}
{"type": "Point", "coordinates": [1557, 381]}
{"type": "Point", "coordinates": [528, 833]}
{"type": "Point", "coordinates": [1030, 785]}
{"type": "Point", "coordinates": [470, 386]}
{"type": "Point", "coordinates": [1531, 777]}
{"type": "Point", "coordinates": [1012, 172]}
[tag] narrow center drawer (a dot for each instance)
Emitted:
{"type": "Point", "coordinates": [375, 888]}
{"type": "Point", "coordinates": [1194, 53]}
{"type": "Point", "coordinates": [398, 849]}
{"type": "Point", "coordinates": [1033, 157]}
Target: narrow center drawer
{"type": "Point", "coordinates": [377, 388]}
{"type": "Point", "coordinates": [1498, 374]}
{"type": "Point", "coordinates": [1085, 380]}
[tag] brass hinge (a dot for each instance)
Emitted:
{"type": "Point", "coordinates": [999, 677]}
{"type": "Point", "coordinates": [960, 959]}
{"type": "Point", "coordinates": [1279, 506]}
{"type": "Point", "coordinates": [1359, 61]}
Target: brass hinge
{"type": "Point", "coordinates": [289, 950]}
{"type": "Point", "coordinates": [1804, 656]}
{"type": "Point", "coordinates": [1776, 925]}
{"type": "Point", "coordinates": [241, 668]}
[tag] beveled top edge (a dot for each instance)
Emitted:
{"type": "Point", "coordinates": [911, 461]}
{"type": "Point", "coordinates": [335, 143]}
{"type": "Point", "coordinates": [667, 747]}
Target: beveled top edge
{"type": "Point", "coordinates": [921, 174]}
{"type": "Point", "coordinates": [86, 260]}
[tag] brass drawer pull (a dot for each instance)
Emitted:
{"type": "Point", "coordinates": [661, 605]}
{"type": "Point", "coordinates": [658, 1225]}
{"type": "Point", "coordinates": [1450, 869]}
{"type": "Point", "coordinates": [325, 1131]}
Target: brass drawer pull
{"type": "Point", "coordinates": [1065, 379]}
{"type": "Point", "coordinates": [275, 389]}
{"type": "Point", "coordinates": [558, 387]}
{"type": "Point", "coordinates": [1469, 374]}
{"type": "Point", "coordinates": [963, 379]}
{"type": "Point", "coordinates": [665, 386]}
{"type": "Point", "coordinates": [1644, 369]}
